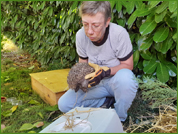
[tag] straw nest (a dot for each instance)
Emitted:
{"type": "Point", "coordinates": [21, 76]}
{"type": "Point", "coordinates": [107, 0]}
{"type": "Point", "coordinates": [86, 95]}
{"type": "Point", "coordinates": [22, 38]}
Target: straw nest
{"type": "Point", "coordinates": [70, 119]}
{"type": "Point", "coordinates": [76, 77]}
{"type": "Point", "coordinates": [165, 122]}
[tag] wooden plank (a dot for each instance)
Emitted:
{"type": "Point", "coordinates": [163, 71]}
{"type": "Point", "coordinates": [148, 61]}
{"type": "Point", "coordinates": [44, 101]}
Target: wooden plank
{"type": "Point", "coordinates": [50, 85]}
{"type": "Point", "coordinates": [55, 80]}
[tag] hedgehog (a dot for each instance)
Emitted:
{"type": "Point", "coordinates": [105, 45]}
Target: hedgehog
{"type": "Point", "coordinates": [76, 77]}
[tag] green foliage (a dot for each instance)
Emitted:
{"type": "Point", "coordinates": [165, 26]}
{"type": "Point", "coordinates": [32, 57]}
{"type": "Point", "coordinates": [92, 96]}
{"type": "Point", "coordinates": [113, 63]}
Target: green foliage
{"type": "Point", "coordinates": [16, 82]}
{"type": "Point", "coordinates": [156, 92]}
{"type": "Point", "coordinates": [43, 28]}
{"type": "Point", "coordinates": [152, 26]}
{"type": "Point", "coordinates": [47, 30]}
{"type": "Point", "coordinates": [12, 76]}
{"type": "Point", "coordinates": [2, 41]}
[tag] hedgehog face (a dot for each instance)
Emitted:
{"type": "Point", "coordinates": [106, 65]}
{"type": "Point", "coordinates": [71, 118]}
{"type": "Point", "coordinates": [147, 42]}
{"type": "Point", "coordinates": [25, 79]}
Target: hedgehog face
{"type": "Point", "coordinates": [76, 77]}
{"type": "Point", "coordinates": [83, 85]}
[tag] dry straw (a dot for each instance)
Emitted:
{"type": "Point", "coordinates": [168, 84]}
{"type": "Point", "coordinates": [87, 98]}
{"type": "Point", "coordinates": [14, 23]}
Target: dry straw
{"type": "Point", "coordinates": [165, 122]}
{"type": "Point", "coordinates": [70, 120]}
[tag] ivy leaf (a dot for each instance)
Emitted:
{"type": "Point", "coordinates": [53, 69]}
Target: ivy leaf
{"type": "Point", "coordinates": [171, 67]}
{"type": "Point", "coordinates": [143, 12]}
{"type": "Point", "coordinates": [136, 57]}
{"type": "Point", "coordinates": [26, 110]}
{"type": "Point", "coordinates": [62, 38]}
{"type": "Point", "coordinates": [159, 17]}
{"type": "Point", "coordinates": [138, 4]}
{"type": "Point", "coordinates": [19, 23]}
{"type": "Point", "coordinates": [72, 18]}
{"type": "Point", "coordinates": [146, 55]}
{"type": "Point", "coordinates": [51, 108]}
{"type": "Point", "coordinates": [121, 22]}
{"type": "Point", "coordinates": [45, 11]}
{"type": "Point", "coordinates": [167, 44]}
{"type": "Point", "coordinates": [132, 37]}
{"type": "Point", "coordinates": [145, 63]}
{"type": "Point", "coordinates": [146, 43]}
{"type": "Point", "coordinates": [174, 37]}
{"type": "Point", "coordinates": [162, 7]}
{"type": "Point", "coordinates": [162, 57]}
{"type": "Point", "coordinates": [15, 19]}
{"type": "Point", "coordinates": [161, 34]}
{"type": "Point", "coordinates": [112, 4]}
{"type": "Point", "coordinates": [72, 54]}
{"type": "Point", "coordinates": [31, 132]}
{"type": "Point", "coordinates": [67, 51]}
{"type": "Point", "coordinates": [131, 19]}
{"type": "Point", "coordinates": [172, 6]}
{"type": "Point", "coordinates": [153, 4]}
{"type": "Point", "coordinates": [7, 113]}
{"type": "Point", "coordinates": [38, 124]}
{"type": "Point", "coordinates": [32, 67]}
{"type": "Point", "coordinates": [118, 6]}
{"type": "Point", "coordinates": [151, 66]}
{"type": "Point", "coordinates": [14, 108]}
{"type": "Point", "coordinates": [129, 6]}
{"type": "Point", "coordinates": [43, 5]}
{"type": "Point", "coordinates": [163, 47]}
{"type": "Point", "coordinates": [34, 102]}
{"type": "Point", "coordinates": [148, 27]}
{"type": "Point", "coordinates": [174, 14]}
{"type": "Point", "coordinates": [40, 114]}
{"type": "Point", "coordinates": [170, 21]}
{"type": "Point", "coordinates": [67, 23]}
{"type": "Point", "coordinates": [162, 72]}
{"type": "Point", "coordinates": [26, 126]}
{"type": "Point", "coordinates": [56, 53]}
{"type": "Point", "coordinates": [74, 5]}
{"type": "Point", "coordinates": [140, 41]}
{"type": "Point", "coordinates": [36, 25]}
{"type": "Point", "coordinates": [50, 11]}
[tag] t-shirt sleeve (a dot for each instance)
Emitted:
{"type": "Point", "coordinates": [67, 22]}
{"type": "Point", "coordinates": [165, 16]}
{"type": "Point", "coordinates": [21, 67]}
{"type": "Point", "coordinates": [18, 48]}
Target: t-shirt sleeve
{"type": "Point", "coordinates": [80, 47]}
{"type": "Point", "coordinates": [124, 48]}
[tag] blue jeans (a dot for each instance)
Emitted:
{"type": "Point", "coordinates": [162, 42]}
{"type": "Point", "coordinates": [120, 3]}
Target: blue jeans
{"type": "Point", "coordinates": [122, 86]}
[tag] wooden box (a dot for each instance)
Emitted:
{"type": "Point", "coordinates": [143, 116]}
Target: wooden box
{"type": "Point", "coordinates": [50, 85]}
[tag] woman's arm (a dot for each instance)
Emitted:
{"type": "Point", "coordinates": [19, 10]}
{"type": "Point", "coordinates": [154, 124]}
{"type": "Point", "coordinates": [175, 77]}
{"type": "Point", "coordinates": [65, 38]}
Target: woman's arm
{"type": "Point", "coordinates": [123, 64]}
{"type": "Point", "coordinates": [83, 60]}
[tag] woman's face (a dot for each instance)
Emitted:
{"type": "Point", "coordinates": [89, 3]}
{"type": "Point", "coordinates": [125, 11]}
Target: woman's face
{"type": "Point", "coordinates": [95, 26]}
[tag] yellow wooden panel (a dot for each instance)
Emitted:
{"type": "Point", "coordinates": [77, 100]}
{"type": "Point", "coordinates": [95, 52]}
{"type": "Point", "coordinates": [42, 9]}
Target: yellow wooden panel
{"type": "Point", "coordinates": [55, 80]}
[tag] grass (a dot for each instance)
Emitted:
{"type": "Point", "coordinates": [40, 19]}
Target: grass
{"type": "Point", "coordinates": [16, 82]}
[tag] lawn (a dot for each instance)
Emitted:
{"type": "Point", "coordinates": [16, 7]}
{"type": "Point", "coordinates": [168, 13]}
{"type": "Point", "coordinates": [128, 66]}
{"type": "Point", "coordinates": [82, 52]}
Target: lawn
{"type": "Point", "coordinates": [34, 114]}
{"type": "Point", "coordinates": [16, 82]}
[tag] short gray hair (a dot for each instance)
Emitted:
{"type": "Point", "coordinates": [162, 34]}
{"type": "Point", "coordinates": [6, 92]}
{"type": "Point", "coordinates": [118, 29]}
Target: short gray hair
{"type": "Point", "coordinates": [93, 7]}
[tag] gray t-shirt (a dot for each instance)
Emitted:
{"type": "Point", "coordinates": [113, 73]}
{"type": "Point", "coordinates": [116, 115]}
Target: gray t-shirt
{"type": "Point", "coordinates": [115, 47]}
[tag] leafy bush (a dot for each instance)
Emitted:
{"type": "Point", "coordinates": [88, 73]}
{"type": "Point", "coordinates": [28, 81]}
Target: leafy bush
{"type": "Point", "coordinates": [47, 30]}
{"type": "Point", "coordinates": [2, 41]}
{"type": "Point", "coordinates": [157, 93]}
{"type": "Point", "coordinates": [152, 26]}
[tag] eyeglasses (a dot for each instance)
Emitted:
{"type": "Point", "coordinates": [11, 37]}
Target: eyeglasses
{"type": "Point", "coordinates": [94, 27]}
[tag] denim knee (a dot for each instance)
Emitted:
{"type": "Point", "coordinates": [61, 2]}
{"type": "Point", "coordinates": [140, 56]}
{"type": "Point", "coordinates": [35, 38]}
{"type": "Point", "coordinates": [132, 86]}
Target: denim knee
{"type": "Point", "coordinates": [124, 76]}
{"type": "Point", "coordinates": [124, 80]}
{"type": "Point", "coordinates": [63, 107]}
